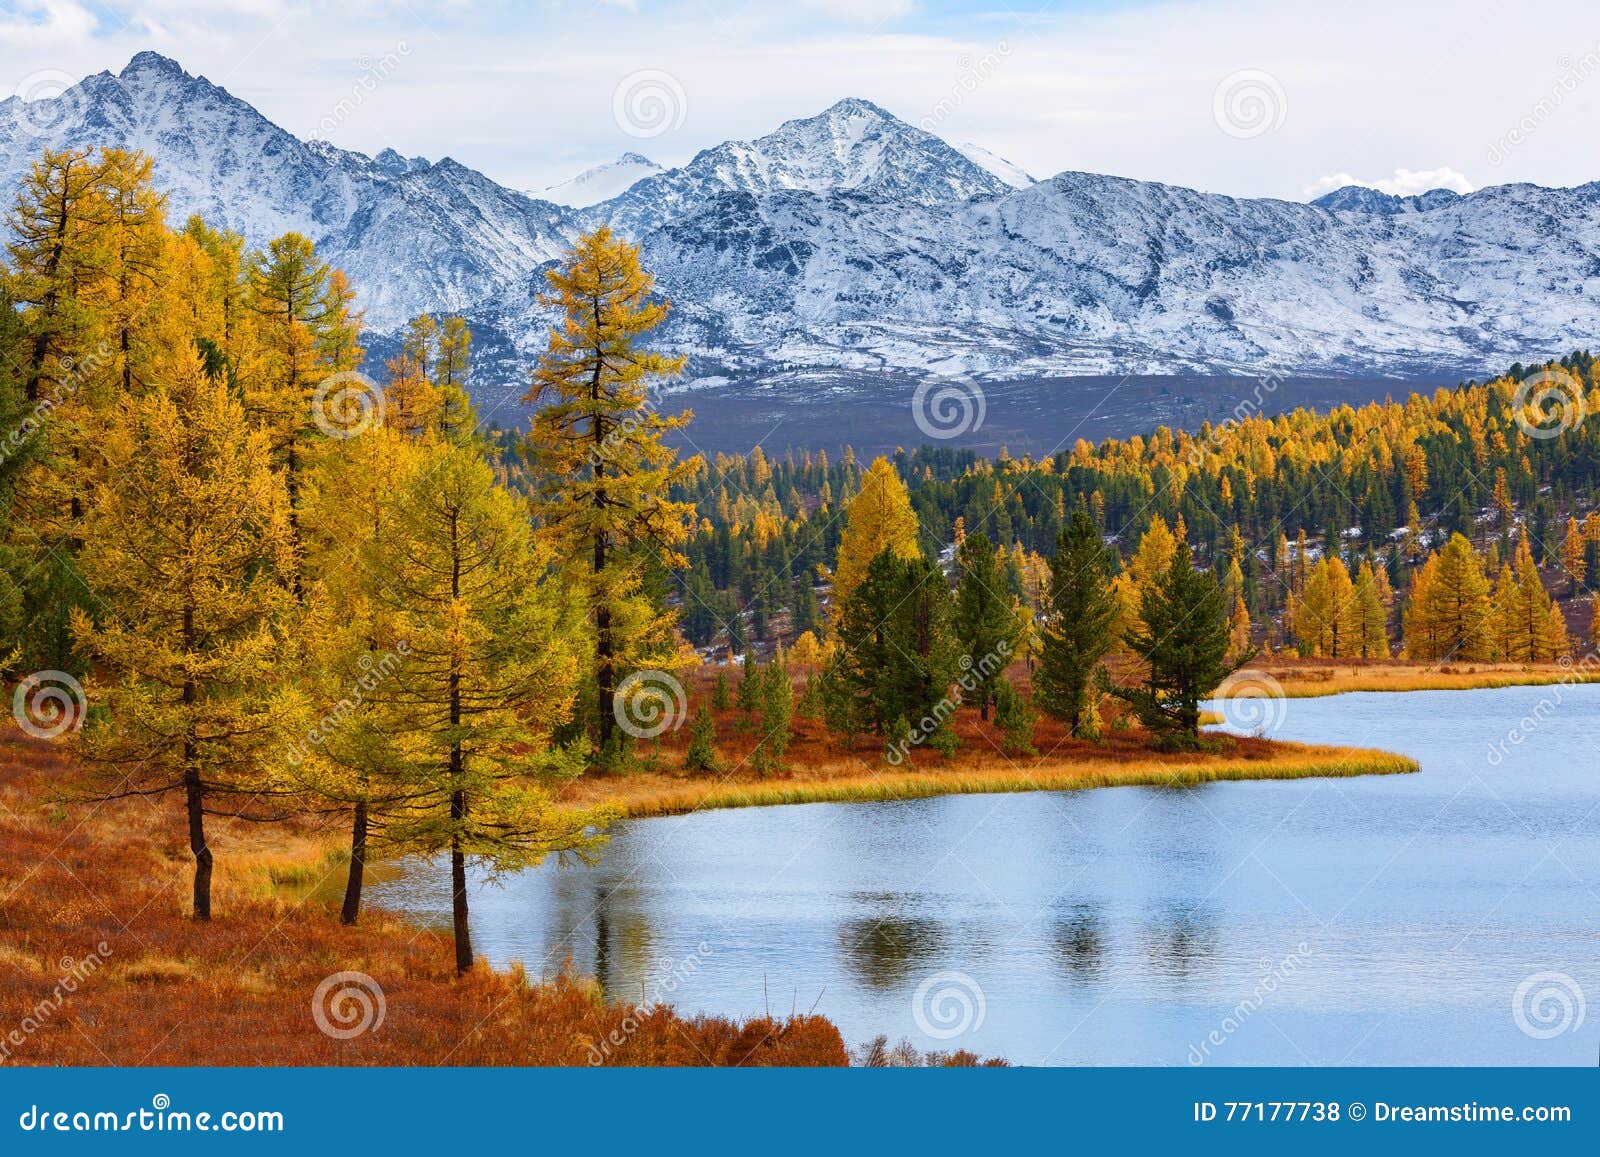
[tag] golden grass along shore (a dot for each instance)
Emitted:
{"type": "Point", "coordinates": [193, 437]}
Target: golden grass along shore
{"type": "Point", "coordinates": [1117, 764]}
{"type": "Point", "coordinates": [1310, 679]}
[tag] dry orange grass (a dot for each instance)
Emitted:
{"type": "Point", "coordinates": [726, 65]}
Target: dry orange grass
{"type": "Point", "coordinates": [100, 966]}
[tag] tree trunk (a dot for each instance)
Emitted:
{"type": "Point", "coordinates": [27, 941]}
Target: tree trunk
{"type": "Point", "coordinates": [605, 682]}
{"type": "Point", "coordinates": [358, 867]}
{"type": "Point", "coordinates": [194, 797]}
{"type": "Point", "coordinates": [292, 480]}
{"type": "Point", "coordinates": [458, 888]}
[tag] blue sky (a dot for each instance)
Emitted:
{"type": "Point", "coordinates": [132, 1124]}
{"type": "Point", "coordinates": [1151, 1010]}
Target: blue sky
{"type": "Point", "coordinates": [1249, 97]}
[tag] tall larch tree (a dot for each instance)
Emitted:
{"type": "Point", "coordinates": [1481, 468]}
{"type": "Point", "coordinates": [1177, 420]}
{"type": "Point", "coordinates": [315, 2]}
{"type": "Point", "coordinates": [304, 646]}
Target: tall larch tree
{"type": "Point", "coordinates": [353, 646]}
{"type": "Point", "coordinates": [1448, 615]}
{"type": "Point", "coordinates": [183, 546]}
{"type": "Point", "coordinates": [602, 471]}
{"type": "Point", "coordinates": [490, 670]}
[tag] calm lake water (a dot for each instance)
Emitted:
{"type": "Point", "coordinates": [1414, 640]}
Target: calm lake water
{"type": "Point", "coordinates": [1449, 917]}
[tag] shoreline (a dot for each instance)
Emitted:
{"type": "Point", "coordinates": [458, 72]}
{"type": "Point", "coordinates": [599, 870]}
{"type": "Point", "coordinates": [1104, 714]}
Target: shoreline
{"type": "Point", "coordinates": [1317, 679]}
{"type": "Point", "coordinates": [653, 795]}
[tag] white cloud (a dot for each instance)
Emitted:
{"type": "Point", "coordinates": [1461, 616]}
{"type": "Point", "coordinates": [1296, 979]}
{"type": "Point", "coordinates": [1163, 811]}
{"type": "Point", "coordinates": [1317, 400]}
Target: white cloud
{"type": "Point", "coordinates": [1404, 183]}
{"type": "Point", "coordinates": [37, 23]}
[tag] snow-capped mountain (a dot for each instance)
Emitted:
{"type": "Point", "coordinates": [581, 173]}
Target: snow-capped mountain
{"type": "Point", "coordinates": [602, 182]}
{"type": "Point", "coordinates": [414, 236]}
{"type": "Point", "coordinates": [852, 241]}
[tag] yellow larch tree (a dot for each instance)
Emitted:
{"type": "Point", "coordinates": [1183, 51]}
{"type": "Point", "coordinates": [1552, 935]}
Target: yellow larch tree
{"type": "Point", "coordinates": [602, 471]}
{"type": "Point", "coordinates": [183, 544]}
{"type": "Point", "coordinates": [879, 517]}
{"type": "Point", "coordinates": [491, 668]}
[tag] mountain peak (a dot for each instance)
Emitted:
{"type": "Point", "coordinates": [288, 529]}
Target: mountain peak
{"type": "Point", "coordinates": [852, 146]}
{"type": "Point", "coordinates": [855, 105]}
{"type": "Point", "coordinates": [153, 62]}
{"type": "Point", "coordinates": [1366, 199]}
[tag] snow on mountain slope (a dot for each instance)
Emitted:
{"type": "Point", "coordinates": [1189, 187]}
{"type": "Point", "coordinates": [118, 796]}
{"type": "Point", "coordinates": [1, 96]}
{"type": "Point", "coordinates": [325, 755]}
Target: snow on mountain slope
{"type": "Point", "coordinates": [602, 182]}
{"type": "Point", "coordinates": [998, 166]}
{"type": "Point", "coordinates": [853, 147]}
{"type": "Point", "coordinates": [851, 241]}
{"type": "Point", "coordinates": [414, 236]}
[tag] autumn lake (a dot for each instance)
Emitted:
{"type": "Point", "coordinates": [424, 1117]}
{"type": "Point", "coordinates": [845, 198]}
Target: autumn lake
{"type": "Point", "coordinates": [1449, 917]}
